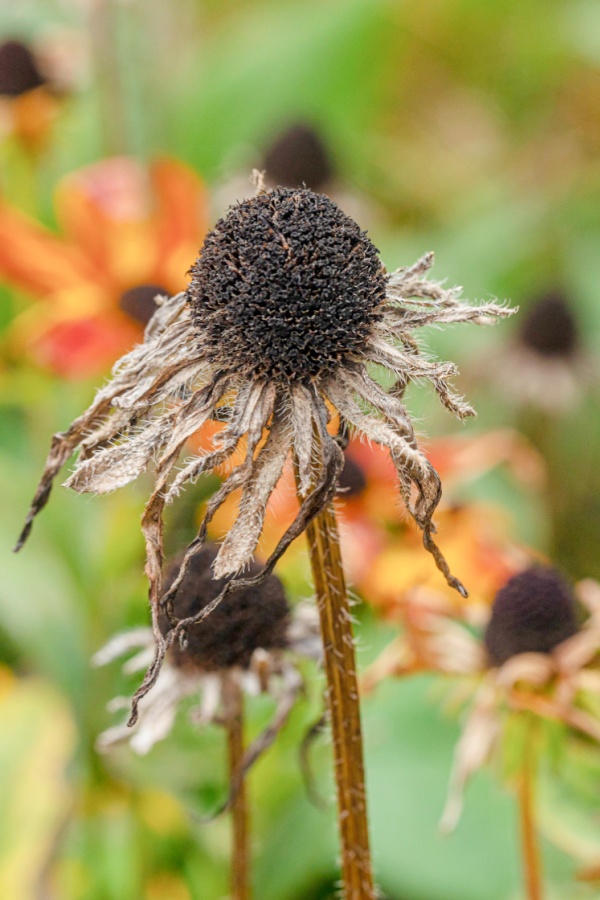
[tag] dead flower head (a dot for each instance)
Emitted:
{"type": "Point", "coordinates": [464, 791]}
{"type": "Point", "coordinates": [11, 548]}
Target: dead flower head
{"type": "Point", "coordinates": [546, 364]}
{"type": "Point", "coordinates": [535, 657]}
{"type": "Point", "coordinates": [288, 308]}
{"type": "Point", "coordinates": [253, 639]}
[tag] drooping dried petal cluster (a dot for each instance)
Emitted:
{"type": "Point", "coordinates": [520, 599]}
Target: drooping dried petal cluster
{"type": "Point", "coordinates": [253, 638]}
{"type": "Point", "coordinates": [287, 310]}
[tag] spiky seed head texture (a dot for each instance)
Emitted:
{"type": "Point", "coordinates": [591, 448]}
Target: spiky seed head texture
{"type": "Point", "coordinates": [533, 613]}
{"type": "Point", "coordinates": [244, 621]}
{"type": "Point", "coordinates": [288, 286]}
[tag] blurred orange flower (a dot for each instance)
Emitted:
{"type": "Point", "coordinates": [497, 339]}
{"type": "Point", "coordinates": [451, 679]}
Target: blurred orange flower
{"type": "Point", "coordinates": [128, 233]}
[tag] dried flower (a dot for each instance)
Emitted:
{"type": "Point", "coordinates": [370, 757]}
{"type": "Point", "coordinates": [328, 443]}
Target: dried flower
{"type": "Point", "coordinates": [287, 306]}
{"type": "Point", "coordinates": [533, 657]}
{"type": "Point", "coordinates": [546, 364]}
{"type": "Point", "coordinates": [252, 638]}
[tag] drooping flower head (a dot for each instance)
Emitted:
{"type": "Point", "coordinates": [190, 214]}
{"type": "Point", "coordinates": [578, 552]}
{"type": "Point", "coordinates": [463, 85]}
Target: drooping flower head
{"type": "Point", "coordinates": [253, 638]}
{"type": "Point", "coordinates": [287, 308]}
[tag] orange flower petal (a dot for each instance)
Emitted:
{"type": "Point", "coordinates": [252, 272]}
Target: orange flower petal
{"type": "Point", "coordinates": [34, 259]}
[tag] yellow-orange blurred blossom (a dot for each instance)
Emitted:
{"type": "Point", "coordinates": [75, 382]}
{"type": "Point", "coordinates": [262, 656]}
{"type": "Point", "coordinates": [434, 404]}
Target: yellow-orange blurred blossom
{"type": "Point", "coordinates": [124, 228]}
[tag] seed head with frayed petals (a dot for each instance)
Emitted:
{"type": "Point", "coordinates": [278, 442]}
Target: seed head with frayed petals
{"type": "Point", "coordinates": [253, 638]}
{"type": "Point", "coordinates": [534, 656]}
{"type": "Point", "coordinates": [288, 308]}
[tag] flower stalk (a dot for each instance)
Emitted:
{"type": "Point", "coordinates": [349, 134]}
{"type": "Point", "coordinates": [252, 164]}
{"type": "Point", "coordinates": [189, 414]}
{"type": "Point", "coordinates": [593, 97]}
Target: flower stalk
{"type": "Point", "coordinates": [532, 867]}
{"type": "Point", "coordinates": [240, 851]}
{"type": "Point", "coordinates": [343, 703]}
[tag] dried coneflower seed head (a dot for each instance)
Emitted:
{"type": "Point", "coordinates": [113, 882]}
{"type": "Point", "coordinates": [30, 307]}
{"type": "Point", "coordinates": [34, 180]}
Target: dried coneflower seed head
{"type": "Point", "coordinates": [298, 158]}
{"type": "Point", "coordinates": [533, 613]}
{"type": "Point", "coordinates": [19, 72]}
{"type": "Point", "coordinates": [549, 327]}
{"type": "Point", "coordinates": [287, 286]}
{"type": "Point", "coordinates": [243, 622]}
{"type": "Point", "coordinates": [140, 302]}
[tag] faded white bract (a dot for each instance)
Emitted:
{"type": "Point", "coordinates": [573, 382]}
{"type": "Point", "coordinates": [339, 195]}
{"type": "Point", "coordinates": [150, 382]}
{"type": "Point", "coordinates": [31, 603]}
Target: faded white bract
{"type": "Point", "coordinates": [271, 671]}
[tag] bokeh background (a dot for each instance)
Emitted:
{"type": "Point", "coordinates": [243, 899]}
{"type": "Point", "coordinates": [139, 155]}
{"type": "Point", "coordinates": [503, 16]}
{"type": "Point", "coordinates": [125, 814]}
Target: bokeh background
{"type": "Point", "coordinates": [469, 128]}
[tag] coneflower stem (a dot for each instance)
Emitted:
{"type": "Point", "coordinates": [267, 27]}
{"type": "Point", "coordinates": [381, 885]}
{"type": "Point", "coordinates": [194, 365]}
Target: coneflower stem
{"type": "Point", "coordinates": [529, 838]}
{"type": "Point", "coordinates": [343, 703]}
{"type": "Point", "coordinates": [240, 852]}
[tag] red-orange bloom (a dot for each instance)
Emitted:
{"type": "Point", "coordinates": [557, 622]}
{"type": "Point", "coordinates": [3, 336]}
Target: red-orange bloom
{"type": "Point", "coordinates": [124, 228]}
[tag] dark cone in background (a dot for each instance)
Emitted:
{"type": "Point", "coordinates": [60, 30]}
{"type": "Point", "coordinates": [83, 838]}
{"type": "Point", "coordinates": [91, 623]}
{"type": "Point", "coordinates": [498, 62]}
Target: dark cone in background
{"type": "Point", "coordinates": [297, 158]}
{"type": "Point", "coordinates": [533, 613]}
{"type": "Point", "coordinates": [549, 327]}
{"type": "Point", "coordinates": [352, 480]}
{"type": "Point", "coordinates": [243, 622]}
{"type": "Point", "coordinates": [18, 70]}
{"type": "Point", "coordinates": [140, 302]}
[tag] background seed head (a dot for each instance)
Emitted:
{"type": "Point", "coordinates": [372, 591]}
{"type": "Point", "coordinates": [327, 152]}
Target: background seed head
{"type": "Point", "coordinates": [534, 612]}
{"type": "Point", "coordinates": [549, 327]}
{"type": "Point", "coordinates": [244, 621]}
{"type": "Point", "coordinates": [287, 287]}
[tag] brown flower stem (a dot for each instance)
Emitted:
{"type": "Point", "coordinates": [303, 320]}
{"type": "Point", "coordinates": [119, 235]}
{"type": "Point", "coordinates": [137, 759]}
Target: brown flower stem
{"type": "Point", "coordinates": [240, 852]}
{"type": "Point", "coordinates": [343, 702]}
{"type": "Point", "coordinates": [529, 837]}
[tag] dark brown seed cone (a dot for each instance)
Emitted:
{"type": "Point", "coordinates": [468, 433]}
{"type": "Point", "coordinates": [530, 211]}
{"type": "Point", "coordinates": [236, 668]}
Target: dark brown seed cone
{"type": "Point", "coordinates": [533, 613]}
{"type": "Point", "coordinates": [139, 302]}
{"type": "Point", "coordinates": [352, 481]}
{"type": "Point", "coordinates": [287, 287]}
{"type": "Point", "coordinates": [243, 622]}
{"type": "Point", "coordinates": [549, 327]}
{"type": "Point", "coordinates": [298, 158]}
{"type": "Point", "coordinates": [19, 72]}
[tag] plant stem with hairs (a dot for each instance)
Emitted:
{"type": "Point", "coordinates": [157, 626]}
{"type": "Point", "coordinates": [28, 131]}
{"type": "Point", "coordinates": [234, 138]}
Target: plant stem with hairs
{"type": "Point", "coordinates": [240, 852]}
{"type": "Point", "coordinates": [343, 703]}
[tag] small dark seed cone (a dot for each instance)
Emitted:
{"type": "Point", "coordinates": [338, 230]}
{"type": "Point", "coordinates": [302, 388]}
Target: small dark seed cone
{"type": "Point", "coordinates": [533, 613]}
{"type": "Point", "coordinates": [352, 481]}
{"type": "Point", "coordinates": [18, 70]}
{"type": "Point", "coordinates": [139, 302]}
{"type": "Point", "coordinates": [244, 621]}
{"type": "Point", "coordinates": [298, 158]}
{"type": "Point", "coordinates": [549, 327]}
